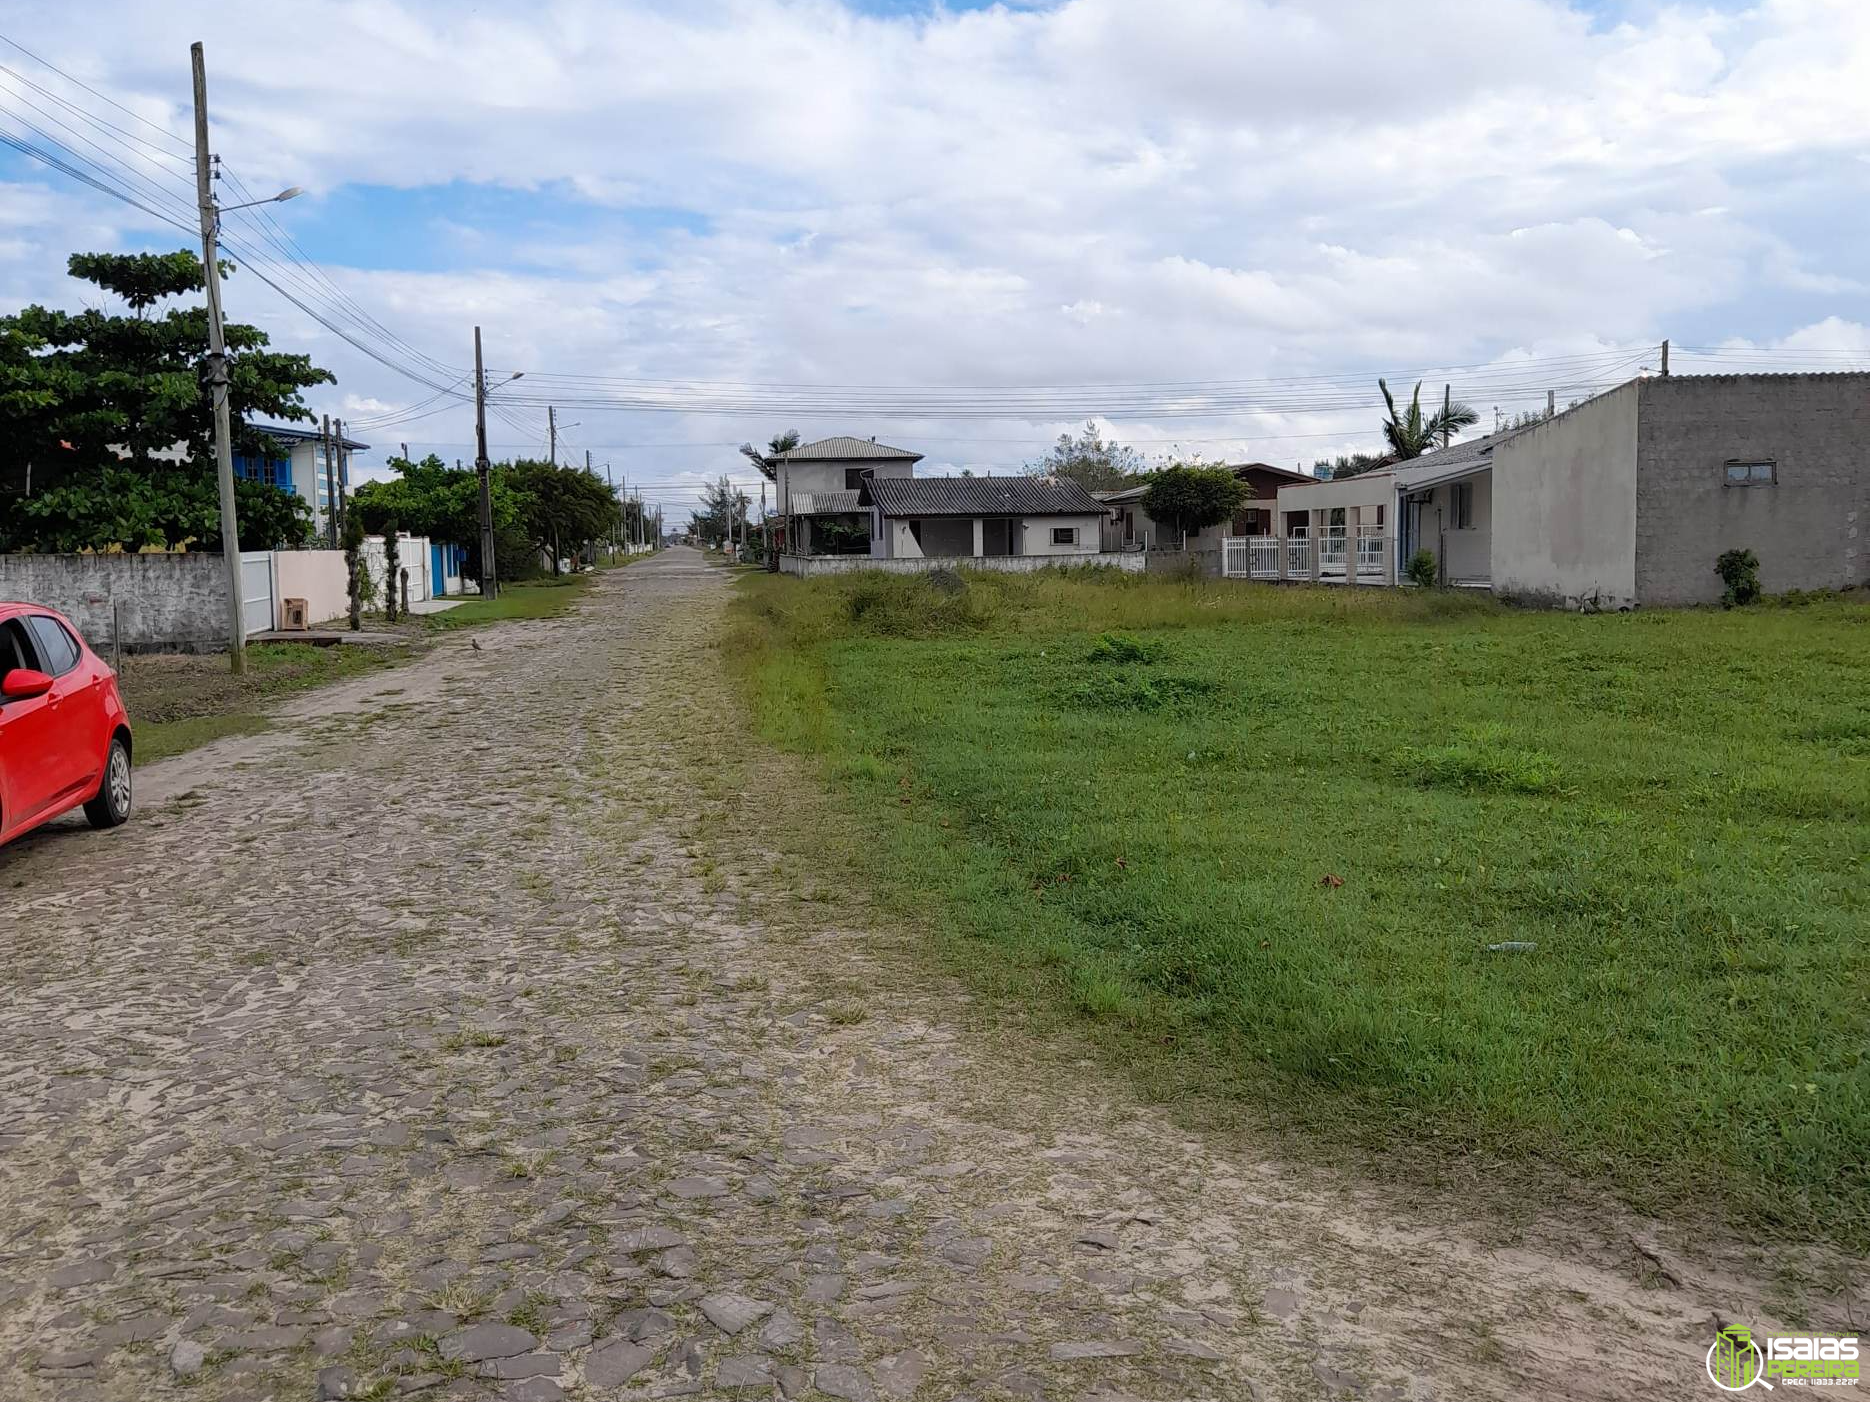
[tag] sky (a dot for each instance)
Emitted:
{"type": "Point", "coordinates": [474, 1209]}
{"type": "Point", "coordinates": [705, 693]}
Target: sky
{"type": "Point", "coordinates": [766, 203]}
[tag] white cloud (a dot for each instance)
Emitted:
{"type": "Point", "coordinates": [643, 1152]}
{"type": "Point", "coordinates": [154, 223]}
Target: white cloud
{"type": "Point", "coordinates": [1094, 192]}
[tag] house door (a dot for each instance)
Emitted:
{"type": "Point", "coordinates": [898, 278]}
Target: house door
{"type": "Point", "coordinates": [997, 536]}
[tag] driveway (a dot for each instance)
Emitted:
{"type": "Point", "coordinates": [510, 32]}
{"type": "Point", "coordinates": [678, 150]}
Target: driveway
{"type": "Point", "coordinates": [465, 1038]}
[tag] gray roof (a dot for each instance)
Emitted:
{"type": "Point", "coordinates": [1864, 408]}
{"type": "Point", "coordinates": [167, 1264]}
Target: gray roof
{"type": "Point", "coordinates": [980, 496]}
{"type": "Point", "coordinates": [843, 449]}
{"type": "Point", "coordinates": [284, 434]}
{"type": "Point", "coordinates": [824, 503]}
{"type": "Point", "coordinates": [1456, 460]}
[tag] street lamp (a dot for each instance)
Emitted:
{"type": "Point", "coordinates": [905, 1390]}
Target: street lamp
{"type": "Point", "coordinates": [291, 193]}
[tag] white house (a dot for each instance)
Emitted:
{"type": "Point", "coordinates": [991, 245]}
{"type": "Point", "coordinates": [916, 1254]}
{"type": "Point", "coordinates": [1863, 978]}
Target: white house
{"type": "Point", "coordinates": [818, 484]}
{"type": "Point", "coordinates": [310, 468]}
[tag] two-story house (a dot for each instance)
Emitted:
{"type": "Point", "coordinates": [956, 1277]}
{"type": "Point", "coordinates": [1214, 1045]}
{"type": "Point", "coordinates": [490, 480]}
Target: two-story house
{"type": "Point", "coordinates": [818, 492]}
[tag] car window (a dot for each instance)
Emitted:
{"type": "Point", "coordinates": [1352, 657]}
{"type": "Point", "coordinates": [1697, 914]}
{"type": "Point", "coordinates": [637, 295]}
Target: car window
{"type": "Point", "coordinates": [58, 653]}
{"type": "Point", "coordinates": [16, 648]}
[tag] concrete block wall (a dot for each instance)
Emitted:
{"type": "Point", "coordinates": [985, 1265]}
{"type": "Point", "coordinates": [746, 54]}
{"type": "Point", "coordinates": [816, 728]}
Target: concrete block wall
{"type": "Point", "coordinates": [165, 603]}
{"type": "Point", "coordinates": [1811, 529]}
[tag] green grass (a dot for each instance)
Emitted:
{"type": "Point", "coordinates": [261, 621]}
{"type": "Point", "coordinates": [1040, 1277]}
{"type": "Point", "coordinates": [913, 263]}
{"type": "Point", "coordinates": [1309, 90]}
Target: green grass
{"type": "Point", "coordinates": [541, 598]}
{"type": "Point", "coordinates": [179, 702]}
{"type": "Point", "coordinates": [1137, 798]}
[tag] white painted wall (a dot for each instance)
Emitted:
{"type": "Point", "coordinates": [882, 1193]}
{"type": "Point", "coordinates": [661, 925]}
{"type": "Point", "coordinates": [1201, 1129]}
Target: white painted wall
{"type": "Point", "coordinates": [1564, 506]}
{"type": "Point", "coordinates": [1464, 554]}
{"type": "Point", "coordinates": [829, 476]}
{"type": "Point", "coordinates": [1036, 535]}
{"type": "Point", "coordinates": [316, 576]}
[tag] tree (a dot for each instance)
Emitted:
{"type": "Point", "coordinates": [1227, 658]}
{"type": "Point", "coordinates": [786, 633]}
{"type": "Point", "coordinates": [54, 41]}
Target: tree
{"type": "Point", "coordinates": [1412, 434]}
{"type": "Point", "coordinates": [106, 425]}
{"type": "Point", "coordinates": [722, 505]}
{"type": "Point", "coordinates": [561, 508]}
{"type": "Point", "coordinates": [1089, 461]}
{"type": "Point", "coordinates": [777, 444]}
{"type": "Point", "coordinates": [1190, 499]}
{"type": "Point", "coordinates": [392, 561]}
{"type": "Point", "coordinates": [356, 580]}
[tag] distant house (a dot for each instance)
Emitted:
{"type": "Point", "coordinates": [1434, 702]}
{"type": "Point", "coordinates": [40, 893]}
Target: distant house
{"type": "Point", "coordinates": [981, 518]}
{"type": "Point", "coordinates": [818, 484]}
{"type": "Point", "coordinates": [1131, 528]}
{"type": "Point", "coordinates": [309, 468]}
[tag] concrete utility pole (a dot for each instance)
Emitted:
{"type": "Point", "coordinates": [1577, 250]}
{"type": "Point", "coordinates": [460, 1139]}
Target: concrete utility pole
{"type": "Point", "coordinates": [551, 432]}
{"type": "Point", "coordinates": [217, 365]}
{"type": "Point", "coordinates": [1551, 402]}
{"type": "Point", "coordinates": [1665, 360]}
{"type": "Point", "coordinates": [1447, 406]}
{"type": "Point", "coordinates": [484, 470]}
{"type": "Point", "coordinates": [328, 465]}
{"type": "Point", "coordinates": [343, 471]}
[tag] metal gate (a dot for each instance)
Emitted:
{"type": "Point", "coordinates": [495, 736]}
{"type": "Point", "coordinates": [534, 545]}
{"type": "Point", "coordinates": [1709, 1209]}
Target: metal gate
{"type": "Point", "coordinates": [256, 591]}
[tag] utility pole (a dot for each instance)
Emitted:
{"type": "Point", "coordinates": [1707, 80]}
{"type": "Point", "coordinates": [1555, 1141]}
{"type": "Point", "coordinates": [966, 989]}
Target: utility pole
{"type": "Point", "coordinates": [1447, 406]}
{"type": "Point", "coordinates": [405, 448]}
{"type": "Point", "coordinates": [551, 431]}
{"type": "Point", "coordinates": [484, 470]}
{"type": "Point", "coordinates": [766, 541]}
{"type": "Point", "coordinates": [1665, 360]}
{"type": "Point", "coordinates": [329, 465]}
{"type": "Point", "coordinates": [1551, 402]}
{"type": "Point", "coordinates": [343, 471]}
{"type": "Point", "coordinates": [217, 365]}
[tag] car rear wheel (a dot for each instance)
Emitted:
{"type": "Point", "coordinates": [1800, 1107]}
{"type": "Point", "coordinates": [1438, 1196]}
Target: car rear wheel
{"type": "Point", "coordinates": [112, 804]}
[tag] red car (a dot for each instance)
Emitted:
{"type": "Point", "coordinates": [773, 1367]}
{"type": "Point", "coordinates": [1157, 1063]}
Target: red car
{"type": "Point", "coordinates": [64, 734]}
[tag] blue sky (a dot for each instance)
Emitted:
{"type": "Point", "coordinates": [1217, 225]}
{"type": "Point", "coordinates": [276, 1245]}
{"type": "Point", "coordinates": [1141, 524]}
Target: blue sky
{"type": "Point", "coordinates": [758, 192]}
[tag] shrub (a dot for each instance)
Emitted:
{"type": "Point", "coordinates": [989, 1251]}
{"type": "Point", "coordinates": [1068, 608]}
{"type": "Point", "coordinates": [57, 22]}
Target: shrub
{"type": "Point", "coordinates": [1740, 571]}
{"type": "Point", "coordinates": [1424, 569]}
{"type": "Point", "coordinates": [1121, 647]}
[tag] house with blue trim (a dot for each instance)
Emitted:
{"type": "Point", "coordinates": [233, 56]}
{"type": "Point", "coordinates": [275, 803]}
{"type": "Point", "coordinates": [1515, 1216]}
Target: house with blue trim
{"type": "Point", "coordinates": [308, 467]}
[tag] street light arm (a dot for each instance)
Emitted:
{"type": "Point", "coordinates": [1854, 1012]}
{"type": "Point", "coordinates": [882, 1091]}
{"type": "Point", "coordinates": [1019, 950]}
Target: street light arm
{"type": "Point", "coordinates": [281, 197]}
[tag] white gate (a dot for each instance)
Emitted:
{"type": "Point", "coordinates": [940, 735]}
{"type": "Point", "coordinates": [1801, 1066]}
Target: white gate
{"type": "Point", "coordinates": [256, 591]}
{"type": "Point", "coordinates": [1235, 556]}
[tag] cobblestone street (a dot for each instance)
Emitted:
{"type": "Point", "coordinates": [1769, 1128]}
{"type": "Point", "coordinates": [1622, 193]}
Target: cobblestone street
{"type": "Point", "coordinates": [437, 1043]}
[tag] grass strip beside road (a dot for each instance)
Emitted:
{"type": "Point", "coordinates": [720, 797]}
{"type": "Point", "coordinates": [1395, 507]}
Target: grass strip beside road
{"type": "Point", "coordinates": [179, 702]}
{"type": "Point", "coordinates": [540, 598]}
{"type": "Point", "coordinates": [1274, 839]}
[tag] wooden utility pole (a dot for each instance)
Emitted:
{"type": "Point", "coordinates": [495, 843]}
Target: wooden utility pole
{"type": "Point", "coordinates": [217, 365]}
{"type": "Point", "coordinates": [483, 469]}
{"type": "Point", "coordinates": [551, 433]}
{"type": "Point", "coordinates": [1447, 406]}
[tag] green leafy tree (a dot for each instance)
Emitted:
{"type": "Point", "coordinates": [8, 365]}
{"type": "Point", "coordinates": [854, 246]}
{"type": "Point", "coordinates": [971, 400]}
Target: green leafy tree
{"type": "Point", "coordinates": [777, 444]}
{"type": "Point", "coordinates": [106, 425]}
{"type": "Point", "coordinates": [392, 563]}
{"type": "Point", "coordinates": [1413, 433]}
{"type": "Point", "coordinates": [1190, 499]}
{"type": "Point", "coordinates": [1090, 461]}
{"type": "Point", "coordinates": [562, 509]}
{"type": "Point", "coordinates": [722, 506]}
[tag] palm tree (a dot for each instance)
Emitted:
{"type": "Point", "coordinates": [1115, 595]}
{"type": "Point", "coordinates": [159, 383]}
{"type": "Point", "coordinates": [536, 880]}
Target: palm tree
{"type": "Point", "coordinates": [1410, 435]}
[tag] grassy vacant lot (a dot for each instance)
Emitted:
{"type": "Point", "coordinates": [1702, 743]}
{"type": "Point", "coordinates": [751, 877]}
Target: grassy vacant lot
{"type": "Point", "coordinates": [1139, 798]}
{"type": "Point", "coordinates": [179, 702]}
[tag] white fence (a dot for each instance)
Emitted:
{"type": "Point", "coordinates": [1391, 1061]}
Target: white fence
{"type": "Point", "coordinates": [1290, 557]}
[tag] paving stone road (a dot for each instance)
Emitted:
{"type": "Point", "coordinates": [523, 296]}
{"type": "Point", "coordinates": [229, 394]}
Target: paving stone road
{"type": "Point", "coordinates": [450, 1041]}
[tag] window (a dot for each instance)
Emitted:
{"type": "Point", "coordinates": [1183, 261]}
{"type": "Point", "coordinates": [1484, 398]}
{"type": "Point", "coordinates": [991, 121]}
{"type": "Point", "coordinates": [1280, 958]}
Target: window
{"type": "Point", "coordinates": [1461, 506]}
{"type": "Point", "coordinates": [16, 652]}
{"type": "Point", "coordinates": [275, 472]}
{"type": "Point", "coordinates": [854, 477]}
{"type": "Point", "coordinates": [58, 651]}
{"type": "Point", "coordinates": [1064, 535]}
{"type": "Point", "coordinates": [1752, 473]}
